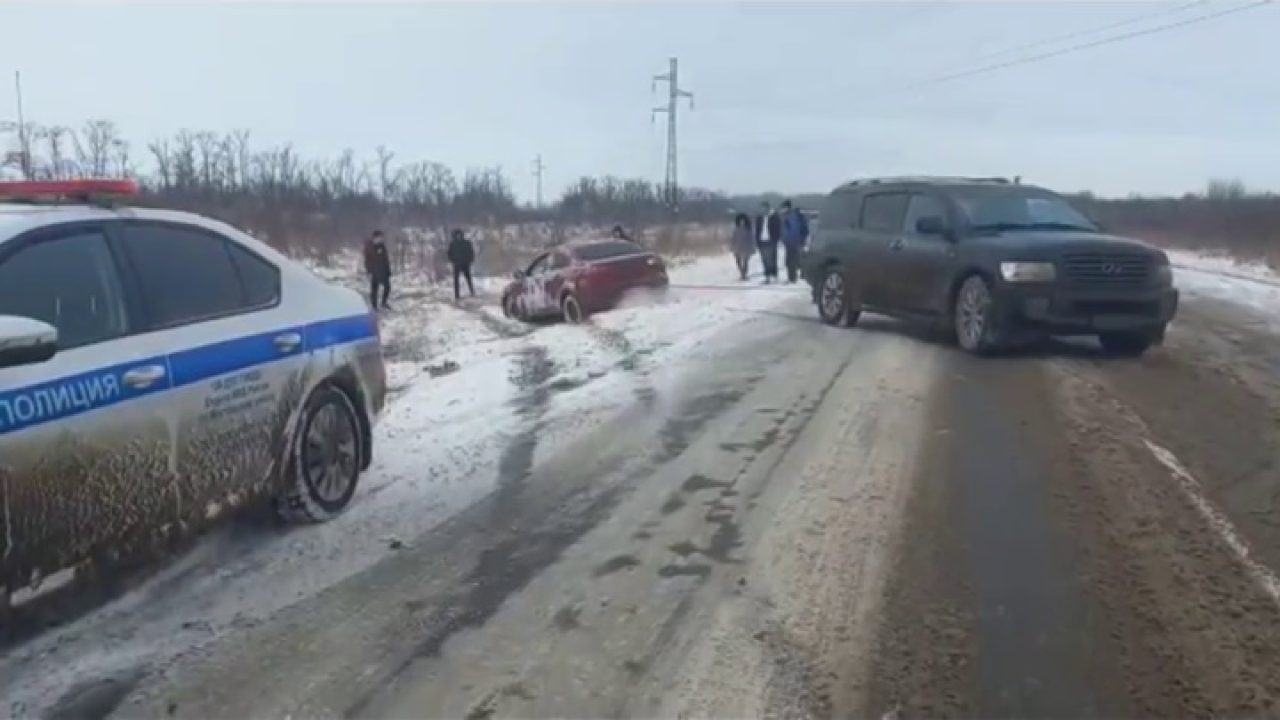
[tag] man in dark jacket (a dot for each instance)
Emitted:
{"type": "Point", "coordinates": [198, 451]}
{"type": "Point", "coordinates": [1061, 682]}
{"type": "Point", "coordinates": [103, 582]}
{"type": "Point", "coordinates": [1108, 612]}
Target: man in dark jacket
{"type": "Point", "coordinates": [377, 263]}
{"type": "Point", "coordinates": [461, 255]}
{"type": "Point", "coordinates": [795, 236]}
{"type": "Point", "coordinates": [768, 233]}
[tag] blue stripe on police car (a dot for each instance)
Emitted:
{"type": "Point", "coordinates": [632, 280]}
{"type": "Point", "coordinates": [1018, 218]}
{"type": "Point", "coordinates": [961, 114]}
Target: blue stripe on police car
{"type": "Point", "coordinates": [66, 397]}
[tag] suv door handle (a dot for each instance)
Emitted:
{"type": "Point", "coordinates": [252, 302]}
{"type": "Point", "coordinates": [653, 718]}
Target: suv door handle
{"type": "Point", "coordinates": [143, 377]}
{"type": "Point", "coordinates": [288, 342]}
{"type": "Point", "coordinates": [896, 244]}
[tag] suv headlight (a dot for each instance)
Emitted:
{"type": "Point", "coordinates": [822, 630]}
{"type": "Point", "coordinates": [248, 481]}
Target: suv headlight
{"type": "Point", "coordinates": [1027, 271]}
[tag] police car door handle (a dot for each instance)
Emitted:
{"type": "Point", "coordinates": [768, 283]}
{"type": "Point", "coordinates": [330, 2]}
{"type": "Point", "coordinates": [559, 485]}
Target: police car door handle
{"type": "Point", "coordinates": [143, 377]}
{"type": "Point", "coordinates": [288, 342]}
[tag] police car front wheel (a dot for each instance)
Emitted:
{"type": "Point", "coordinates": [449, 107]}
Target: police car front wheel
{"type": "Point", "coordinates": [324, 459]}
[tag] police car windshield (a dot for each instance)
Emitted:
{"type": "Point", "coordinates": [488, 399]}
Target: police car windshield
{"type": "Point", "coordinates": [1004, 208]}
{"type": "Point", "coordinates": [607, 250]}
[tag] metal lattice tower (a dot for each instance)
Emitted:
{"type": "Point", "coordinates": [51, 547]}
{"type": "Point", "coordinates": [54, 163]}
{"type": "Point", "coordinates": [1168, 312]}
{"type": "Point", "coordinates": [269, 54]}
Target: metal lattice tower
{"type": "Point", "coordinates": [671, 187]}
{"type": "Point", "coordinates": [538, 169]}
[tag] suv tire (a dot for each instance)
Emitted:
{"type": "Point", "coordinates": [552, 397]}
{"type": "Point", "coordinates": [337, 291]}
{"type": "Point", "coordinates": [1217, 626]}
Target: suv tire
{"type": "Point", "coordinates": [1126, 344]}
{"type": "Point", "coordinates": [835, 304]}
{"type": "Point", "coordinates": [973, 316]}
{"type": "Point", "coordinates": [324, 458]}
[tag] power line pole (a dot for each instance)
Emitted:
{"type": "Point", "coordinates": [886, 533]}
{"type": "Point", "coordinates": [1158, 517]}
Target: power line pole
{"type": "Point", "coordinates": [538, 169]}
{"type": "Point", "coordinates": [671, 185]}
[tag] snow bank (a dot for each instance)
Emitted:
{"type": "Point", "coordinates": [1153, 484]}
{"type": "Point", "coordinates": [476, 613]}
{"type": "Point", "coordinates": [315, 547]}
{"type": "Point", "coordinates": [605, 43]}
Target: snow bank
{"type": "Point", "coordinates": [1250, 285]}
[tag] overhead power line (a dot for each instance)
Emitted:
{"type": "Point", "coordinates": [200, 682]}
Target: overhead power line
{"type": "Point", "coordinates": [1090, 31]}
{"type": "Point", "coordinates": [1083, 46]}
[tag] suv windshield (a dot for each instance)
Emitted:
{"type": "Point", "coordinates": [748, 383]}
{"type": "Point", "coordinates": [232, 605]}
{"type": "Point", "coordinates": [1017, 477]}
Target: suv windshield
{"type": "Point", "coordinates": [1010, 209]}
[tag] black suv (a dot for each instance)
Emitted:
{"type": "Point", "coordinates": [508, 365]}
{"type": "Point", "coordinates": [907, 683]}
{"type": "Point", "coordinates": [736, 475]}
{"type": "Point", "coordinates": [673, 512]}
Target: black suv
{"type": "Point", "coordinates": [997, 263]}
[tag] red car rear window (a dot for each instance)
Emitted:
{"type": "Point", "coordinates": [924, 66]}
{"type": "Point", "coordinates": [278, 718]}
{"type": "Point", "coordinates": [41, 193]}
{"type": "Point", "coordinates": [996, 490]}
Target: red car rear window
{"type": "Point", "coordinates": [606, 250]}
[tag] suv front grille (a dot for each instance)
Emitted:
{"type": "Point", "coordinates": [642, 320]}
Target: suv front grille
{"type": "Point", "coordinates": [1107, 269]}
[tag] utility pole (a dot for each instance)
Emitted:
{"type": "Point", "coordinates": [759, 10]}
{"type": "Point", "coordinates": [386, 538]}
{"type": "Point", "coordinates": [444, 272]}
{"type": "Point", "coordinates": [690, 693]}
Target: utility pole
{"type": "Point", "coordinates": [671, 185]}
{"type": "Point", "coordinates": [538, 169]}
{"type": "Point", "coordinates": [24, 151]}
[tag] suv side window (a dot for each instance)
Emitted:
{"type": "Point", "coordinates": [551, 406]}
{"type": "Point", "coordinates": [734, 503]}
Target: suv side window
{"type": "Point", "coordinates": [921, 206]}
{"type": "Point", "coordinates": [69, 281]}
{"type": "Point", "coordinates": [883, 212]}
{"type": "Point", "coordinates": [840, 210]}
{"type": "Point", "coordinates": [186, 275]}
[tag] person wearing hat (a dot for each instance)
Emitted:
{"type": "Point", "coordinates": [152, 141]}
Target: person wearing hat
{"type": "Point", "coordinates": [461, 256]}
{"type": "Point", "coordinates": [377, 263]}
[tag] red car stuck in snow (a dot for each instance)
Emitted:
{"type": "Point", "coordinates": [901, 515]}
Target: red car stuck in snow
{"type": "Point", "coordinates": [572, 281]}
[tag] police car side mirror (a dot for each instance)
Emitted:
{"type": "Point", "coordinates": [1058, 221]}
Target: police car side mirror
{"type": "Point", "coordinates": [24, 341]}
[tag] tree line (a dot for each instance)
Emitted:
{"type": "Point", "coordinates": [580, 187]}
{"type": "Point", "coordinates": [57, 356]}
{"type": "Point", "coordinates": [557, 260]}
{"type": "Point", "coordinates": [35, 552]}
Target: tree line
{"type": "Point", "coordinates": [319, 205]}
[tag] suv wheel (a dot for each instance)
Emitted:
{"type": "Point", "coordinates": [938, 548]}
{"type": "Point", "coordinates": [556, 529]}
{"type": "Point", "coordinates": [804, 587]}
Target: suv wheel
{"type": "Point", "coordinates": [973, 316]}
{"type": "Point", "coordinates": [1126, 344]}
{"type": "Point", "coordinates": [324, 461]}
{"type": "Point", "coordinates": [835, 305]}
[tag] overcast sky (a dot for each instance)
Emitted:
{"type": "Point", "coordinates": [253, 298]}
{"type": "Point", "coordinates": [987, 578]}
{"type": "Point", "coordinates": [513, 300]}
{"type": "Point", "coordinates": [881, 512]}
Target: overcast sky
{"type": "Point", "coordinates": [794, 97]}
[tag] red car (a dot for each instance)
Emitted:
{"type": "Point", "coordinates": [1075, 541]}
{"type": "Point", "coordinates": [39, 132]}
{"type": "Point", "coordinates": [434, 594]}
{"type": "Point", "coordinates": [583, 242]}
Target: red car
{"type": "Point", "coordinates": [575, 280]}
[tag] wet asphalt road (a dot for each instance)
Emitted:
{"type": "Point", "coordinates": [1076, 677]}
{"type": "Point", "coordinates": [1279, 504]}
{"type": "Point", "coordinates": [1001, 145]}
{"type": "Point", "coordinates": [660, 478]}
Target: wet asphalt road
{"type": "Point", "coordinates": [814, 522]}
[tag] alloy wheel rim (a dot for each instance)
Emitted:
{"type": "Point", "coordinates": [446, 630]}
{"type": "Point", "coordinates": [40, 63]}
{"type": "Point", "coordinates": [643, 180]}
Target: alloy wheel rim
{"type": "Point", "coordinates": [832, 294]}
{"type": "Point", "coordinates": [330, 453]}
{"type": "Point", "coordinates": [973, 314]}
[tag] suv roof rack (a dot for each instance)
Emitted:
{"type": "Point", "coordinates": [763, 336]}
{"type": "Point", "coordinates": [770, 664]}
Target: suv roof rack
{"type": "Point", "coordinates": [927, 179]}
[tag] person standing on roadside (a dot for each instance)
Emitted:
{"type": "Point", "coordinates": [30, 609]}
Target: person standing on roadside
{"type": "Point", "coordinates": [795, 234]}
{"type": "Point", "coordinates": [768, 233]}
{"type": "Point", "coordinates": [377, 263]}
{"type": "Point", "coordinates": [743, 243]}
{"type": "Point", "coordinates": [462, 254]}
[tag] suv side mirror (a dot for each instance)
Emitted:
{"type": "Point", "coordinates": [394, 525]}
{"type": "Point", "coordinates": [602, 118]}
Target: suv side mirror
{"type": "Point", "coordinates": [931, 225]}
{"type": "Point", "coordinates": [24, 341]}
{"type": "Point", "coordinates": [519, 274]}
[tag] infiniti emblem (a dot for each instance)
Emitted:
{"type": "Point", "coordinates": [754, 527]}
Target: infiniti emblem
{"type": "Point", "coordinates": [1111, 269]}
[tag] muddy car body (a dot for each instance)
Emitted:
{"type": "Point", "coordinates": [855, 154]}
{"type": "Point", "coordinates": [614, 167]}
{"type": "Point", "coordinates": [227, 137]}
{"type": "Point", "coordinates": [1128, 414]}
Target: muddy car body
{"type": "Point", "coordinates": [158, 369]}
{"type": "Point", "coordinates": [576, 280]}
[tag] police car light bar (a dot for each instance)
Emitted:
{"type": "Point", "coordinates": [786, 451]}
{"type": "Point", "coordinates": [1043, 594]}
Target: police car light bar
{"type": "Point", "coordinates": [53, 190]}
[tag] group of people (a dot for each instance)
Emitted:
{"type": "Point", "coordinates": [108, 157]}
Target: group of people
{"type": "Point", "coordinates": [377, 264]}
{"type": "Point", "coordinates": [786, 226]}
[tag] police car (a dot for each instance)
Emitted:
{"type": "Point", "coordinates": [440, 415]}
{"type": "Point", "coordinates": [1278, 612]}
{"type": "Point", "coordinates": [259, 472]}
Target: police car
{"type": "Point", "coordinates": [158, 369]}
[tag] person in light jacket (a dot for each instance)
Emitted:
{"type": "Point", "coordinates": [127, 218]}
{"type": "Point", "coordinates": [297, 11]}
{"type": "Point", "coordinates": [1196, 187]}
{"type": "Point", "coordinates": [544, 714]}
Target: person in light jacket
{"type": "Point", "coordinates": [743, 243]}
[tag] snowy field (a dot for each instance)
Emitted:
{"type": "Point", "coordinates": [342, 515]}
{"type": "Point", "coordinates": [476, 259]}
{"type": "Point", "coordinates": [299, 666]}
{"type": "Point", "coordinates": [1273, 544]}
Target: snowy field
{"type": "Point", "coordinates": [1251, 285]}
{"type": "Point", "coordinates": [461, 376]}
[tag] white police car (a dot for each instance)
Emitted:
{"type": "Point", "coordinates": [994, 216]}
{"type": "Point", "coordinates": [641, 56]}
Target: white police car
{"type": "Point", "coordinates": [157, 369]}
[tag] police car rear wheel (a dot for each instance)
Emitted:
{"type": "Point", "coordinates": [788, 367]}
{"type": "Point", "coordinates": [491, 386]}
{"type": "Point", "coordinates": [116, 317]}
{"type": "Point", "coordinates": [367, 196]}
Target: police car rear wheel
{"type": "Point", "coordinates": [324, 465]}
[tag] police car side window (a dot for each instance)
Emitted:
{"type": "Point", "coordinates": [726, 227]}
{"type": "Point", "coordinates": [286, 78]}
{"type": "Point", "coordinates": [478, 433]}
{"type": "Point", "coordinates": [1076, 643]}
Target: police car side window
{"type": "Point", "coordinates": [69, 281]}
{"type": "Point", "coordinates": [185, 275]}
{"type": "Point", "coordinates": [261, 279]}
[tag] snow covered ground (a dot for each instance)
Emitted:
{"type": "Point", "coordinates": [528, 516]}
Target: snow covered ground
{"type": "Point", "coordinates": [464, 381]}
{"type": "Point", "coordinates": [1251, 285]}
